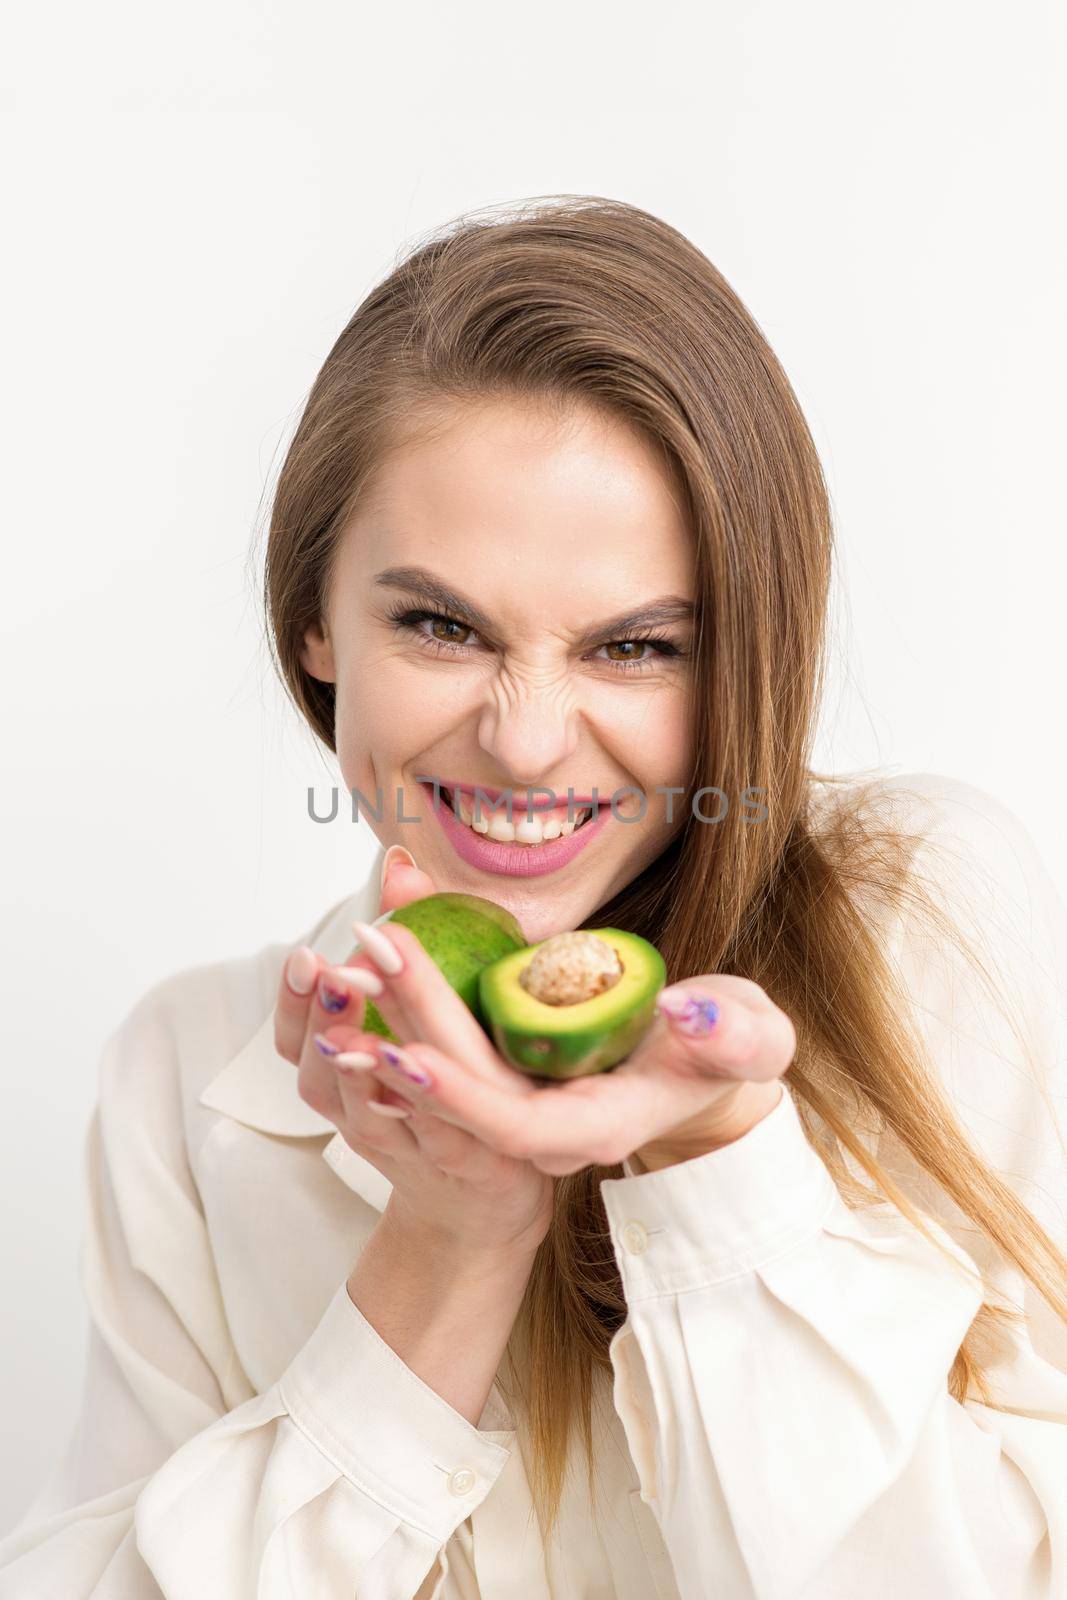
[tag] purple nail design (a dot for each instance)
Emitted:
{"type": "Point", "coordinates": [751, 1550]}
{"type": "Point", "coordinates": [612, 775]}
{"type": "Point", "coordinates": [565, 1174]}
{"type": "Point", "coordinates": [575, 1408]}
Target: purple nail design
{"type": "Point", "coordinates": [696, 1016]}
{"type": "Point", "coordinates": [331, 999]}
{"type": "Point", "coordinates": [322, 1043]}
{"type": "Point", "coordinates": [405, 1066]}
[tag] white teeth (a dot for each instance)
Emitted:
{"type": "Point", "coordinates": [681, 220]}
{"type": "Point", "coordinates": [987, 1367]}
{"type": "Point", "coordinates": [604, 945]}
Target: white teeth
{"type": "Point", "coordinates": [466, 811]}
{"type": "Point", "coordinates": [529, 831]}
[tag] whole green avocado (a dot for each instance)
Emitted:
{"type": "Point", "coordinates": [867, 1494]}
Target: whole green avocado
{"type": "Point", "coordinates": [462, 933]}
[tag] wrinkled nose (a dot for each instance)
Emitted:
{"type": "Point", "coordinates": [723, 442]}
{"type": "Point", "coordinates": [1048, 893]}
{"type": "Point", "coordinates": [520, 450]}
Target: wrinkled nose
{"type": "Point", "coordinates": [531, 737]}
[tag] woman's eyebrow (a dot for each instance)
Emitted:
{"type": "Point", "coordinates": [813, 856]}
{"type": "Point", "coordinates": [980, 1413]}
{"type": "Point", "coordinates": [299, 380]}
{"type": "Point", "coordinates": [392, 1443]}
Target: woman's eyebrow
{"type": "Point", "coordinates": [422, 583]}
{"type": "Point", "coordinates": [426, 586]}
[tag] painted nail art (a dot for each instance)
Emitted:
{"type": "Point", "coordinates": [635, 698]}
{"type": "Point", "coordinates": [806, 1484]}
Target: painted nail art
{"type": "Point", "coordinates": [322, 1043]}
{"type": "Point", "coordinates": [401, 1062]}
{"type": "Point", "coordinates": [355, 1061]}
{"type": "Point", "coordinates": [383, 953]}
{"type": "Point", "coordinates": [331, 999]}
{"type": "Point", "coordinates": [696, 1015]}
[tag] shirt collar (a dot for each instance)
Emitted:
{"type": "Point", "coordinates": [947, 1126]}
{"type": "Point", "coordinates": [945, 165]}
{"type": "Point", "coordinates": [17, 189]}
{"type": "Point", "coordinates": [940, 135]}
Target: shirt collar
{"type": "Point", "coordinates": [258, 1086]}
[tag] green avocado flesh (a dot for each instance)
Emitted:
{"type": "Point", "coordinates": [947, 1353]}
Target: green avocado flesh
{"type": "Point", "coordinates": [586, 1036]}
{"type": "Point", "coordinates": [462, 933]}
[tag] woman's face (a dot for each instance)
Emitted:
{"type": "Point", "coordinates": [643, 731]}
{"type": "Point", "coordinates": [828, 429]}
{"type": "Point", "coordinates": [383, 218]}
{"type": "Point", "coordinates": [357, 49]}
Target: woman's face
{"type": "Point", "coordinates": [523, 678]}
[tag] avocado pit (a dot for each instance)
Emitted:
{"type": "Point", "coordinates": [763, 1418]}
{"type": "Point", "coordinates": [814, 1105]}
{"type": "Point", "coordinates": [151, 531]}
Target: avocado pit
{"type": "Point", "coordinates": [571, 967]}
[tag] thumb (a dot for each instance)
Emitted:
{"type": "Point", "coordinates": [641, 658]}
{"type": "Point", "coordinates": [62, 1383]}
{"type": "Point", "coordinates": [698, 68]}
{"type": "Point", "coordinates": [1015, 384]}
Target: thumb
{"type": "Point", "coordinates": [723, 1027]}
{"type": "Point", "coordinates": [402, 880]}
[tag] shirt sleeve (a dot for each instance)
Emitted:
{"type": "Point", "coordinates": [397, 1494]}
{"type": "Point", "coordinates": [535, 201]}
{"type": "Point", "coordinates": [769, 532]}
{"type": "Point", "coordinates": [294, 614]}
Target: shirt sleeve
{"type": "Point", "coordinates": [346, 1477]}
{"type": "Point", "coordinates": [781, 1374]}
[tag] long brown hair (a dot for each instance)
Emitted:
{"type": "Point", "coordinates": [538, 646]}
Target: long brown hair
{"type": "Point", "coordinates": [584, 300]}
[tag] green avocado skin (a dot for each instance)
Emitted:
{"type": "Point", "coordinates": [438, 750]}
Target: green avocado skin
{"type": "Point", "coordinates": [561, 1042]}
{"type": "Point", "coordinates": [462, 933]}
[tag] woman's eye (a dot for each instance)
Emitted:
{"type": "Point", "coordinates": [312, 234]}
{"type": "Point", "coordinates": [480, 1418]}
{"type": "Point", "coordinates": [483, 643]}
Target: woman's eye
{"type": "Point", "coordinates": [642, 654]}
{"type": "Point", "coordinates": [446, 630]}
{"type": "Point", "coordinates": [630, 645]}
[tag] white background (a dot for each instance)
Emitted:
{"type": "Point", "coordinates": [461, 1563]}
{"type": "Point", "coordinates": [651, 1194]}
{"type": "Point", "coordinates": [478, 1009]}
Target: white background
{"type": "Point", "coordinates": [198, 197]}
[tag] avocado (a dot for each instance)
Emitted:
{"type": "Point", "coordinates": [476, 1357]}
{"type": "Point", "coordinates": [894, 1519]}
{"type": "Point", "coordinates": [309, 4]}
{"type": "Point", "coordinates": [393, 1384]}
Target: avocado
{"type": "Point", "coordinates": [573, 1004]}
{"type": "Point", "coordinates": [462, 933]}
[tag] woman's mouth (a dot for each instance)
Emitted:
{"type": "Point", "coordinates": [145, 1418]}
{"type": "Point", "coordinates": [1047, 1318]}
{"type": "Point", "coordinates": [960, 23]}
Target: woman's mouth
{"type": "Point", "coordinates": [540, 827]}
{"type": "Point", "coordinates": [524, 847]}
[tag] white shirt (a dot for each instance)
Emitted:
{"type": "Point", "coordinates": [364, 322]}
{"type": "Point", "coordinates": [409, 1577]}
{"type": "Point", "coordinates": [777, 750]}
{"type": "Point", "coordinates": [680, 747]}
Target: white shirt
{"type": "Point", "coordinates": [778, 1424]}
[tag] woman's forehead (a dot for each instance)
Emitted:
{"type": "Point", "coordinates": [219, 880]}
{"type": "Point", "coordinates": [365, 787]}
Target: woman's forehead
{"type": "Point", "coordinates": [506, 466]}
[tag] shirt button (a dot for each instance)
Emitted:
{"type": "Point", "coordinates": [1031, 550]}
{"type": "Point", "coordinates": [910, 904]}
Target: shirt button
{"type": "Point", "coordinates": [461, 1481]}
{"type": "Point", "coordinates": [635, 1238]}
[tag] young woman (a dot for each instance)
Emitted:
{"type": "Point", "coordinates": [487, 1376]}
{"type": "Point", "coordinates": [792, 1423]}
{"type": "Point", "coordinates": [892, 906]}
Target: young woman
{"type": "Point", "coordinates": [775, 1308]}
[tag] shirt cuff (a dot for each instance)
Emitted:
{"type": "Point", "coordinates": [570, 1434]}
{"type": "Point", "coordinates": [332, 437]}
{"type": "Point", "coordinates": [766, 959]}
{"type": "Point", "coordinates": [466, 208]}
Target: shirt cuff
{"type": "Point", "coordinates": [391, 1434]}
{"type": "Point", "coordinates": [718, 1215]}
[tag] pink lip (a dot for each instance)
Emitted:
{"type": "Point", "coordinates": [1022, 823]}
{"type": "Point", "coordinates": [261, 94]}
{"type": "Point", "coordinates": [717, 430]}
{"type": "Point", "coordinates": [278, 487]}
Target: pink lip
{"type": "Point", "coordinates": [511, 860]}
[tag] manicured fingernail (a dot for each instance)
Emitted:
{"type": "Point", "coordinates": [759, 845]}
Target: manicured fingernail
{"type": "Point", "coordinates": [384, 1110]}
{"type": "Point", "coordinates": [694, 1014]}
{"type": "Point", "coordinates": [322, 1043]}
{"type": "Point", "coordinates": [672, 1000]}
{"type": "Point", "coordinates": [331, 999]}
{"type": "Point", "coordinates": [382, 952]}
{"type": "Point", "coordinates": [395, 853]}
{"type": "Point", "coordinates": [360, 978]}
{"type": "Point", "coordinates": [355, 1060]}
{"type": "Point", "coordinates": [301, 970]}
{"type": "Point", "coordinates": [409, 1069]}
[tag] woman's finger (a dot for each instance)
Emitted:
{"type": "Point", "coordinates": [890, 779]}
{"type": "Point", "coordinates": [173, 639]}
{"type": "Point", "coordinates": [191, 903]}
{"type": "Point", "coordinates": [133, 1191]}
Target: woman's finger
{"type": "Point", "coordinates": [452, 1149]}
{"type": "Point", "coordinates": [426, 1007]}
{"type": "Point", "coordinates": [404, 883]}
{"type": "Point", "coordinates": [385, 1135]}
{"type": "Point", "coordinates": [296, 987]}
{"type": "Point", "coordinates": [522, 1122]}
{"type": "Point", "coordinates": [720, 1026]}
{"type": "Point", "coordinates": [357, 975]}
{"type": "Point", "coordinates": [333, 1022]}
{"type": "Point", "coordinates": [415, 1133]}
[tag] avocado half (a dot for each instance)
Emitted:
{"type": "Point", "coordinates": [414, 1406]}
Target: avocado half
{"type": "Point", "coordinates": [462, 933]}
{"type": "Point", "coordinates": [565, 1035]}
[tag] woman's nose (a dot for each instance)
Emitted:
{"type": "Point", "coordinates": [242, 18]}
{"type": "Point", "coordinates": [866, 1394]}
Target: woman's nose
{"type": "Point", "coordinates": [529, 737]}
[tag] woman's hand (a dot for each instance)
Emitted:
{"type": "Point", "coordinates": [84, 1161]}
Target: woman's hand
{"type": "Point", "coordinates": [701, 1077]}
{"type": "Point", "coordinates": [448, 1184]}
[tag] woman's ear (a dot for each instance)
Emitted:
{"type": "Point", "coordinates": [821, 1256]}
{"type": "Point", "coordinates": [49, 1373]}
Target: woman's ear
{"type": "Point", "coordinates": [316, 654]}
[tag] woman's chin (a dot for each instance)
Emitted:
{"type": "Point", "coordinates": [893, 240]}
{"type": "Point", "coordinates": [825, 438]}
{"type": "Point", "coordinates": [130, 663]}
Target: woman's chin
{"type": "Point", "coordinates": [539, 911]}
{"type": "Point", "coordinates": [542, 921]}
{"type": "Point", "coordinates": [536, 929]}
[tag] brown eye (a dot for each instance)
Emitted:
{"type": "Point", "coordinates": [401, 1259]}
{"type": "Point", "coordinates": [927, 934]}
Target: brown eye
{"type": "Point", "coordinates": [628, 646]}
{"type": "Point", "coordinates": [450, 630]}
